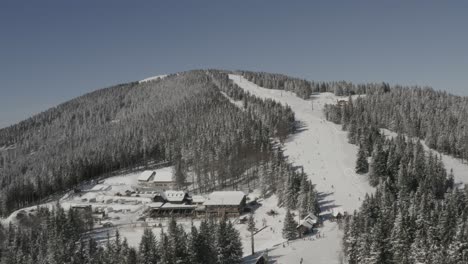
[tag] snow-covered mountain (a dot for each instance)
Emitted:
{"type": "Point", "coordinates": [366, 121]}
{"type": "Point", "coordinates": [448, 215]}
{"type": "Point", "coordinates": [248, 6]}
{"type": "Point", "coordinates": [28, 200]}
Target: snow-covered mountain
{"type": "Point", "coordinates": [221, 130]}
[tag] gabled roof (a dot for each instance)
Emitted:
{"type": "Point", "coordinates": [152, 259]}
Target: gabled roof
{"type": "Point", "coordinates": [155, 205]}
{"type": "Point", "coordinates": [178, 206]}
{"type": "Point", "coordinates": [198, 199]}
{"type": "Point", "coordinates": [337, 211]}
{"type": "Point", "coordinates": [309, 221]}
{"type": "Point", "coordinates": [312, 217]}
{"type": "Point", "coordinates": [146, 175]}
{"type": "Point", "coordinates": [163, 175]}
{"type": "Point", "coordinates": [225, 198]}
{"type": "Point", "coordinates": [175, 196]}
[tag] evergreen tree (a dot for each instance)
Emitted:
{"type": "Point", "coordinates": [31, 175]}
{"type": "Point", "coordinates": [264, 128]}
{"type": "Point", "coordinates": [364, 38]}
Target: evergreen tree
{"type": "Point", "coordinates": [251, 229]}
{"type": "Point", "coordinates": [148, 248]}
{"type": "Point", "coordinates": [206, 243]}
{"type": "Point", "coordinates": [289, 227]}
{"type": "Point", "coordinates": [362, 165]}
{"type": "Point", "coordinates": [378, 166]}
{"type": "Point", "coordinates": [229, 246]}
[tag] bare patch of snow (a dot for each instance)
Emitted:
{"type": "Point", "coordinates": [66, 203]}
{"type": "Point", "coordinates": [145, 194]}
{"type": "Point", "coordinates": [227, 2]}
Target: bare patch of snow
{"type": "Point", "coordinates": [162, 76]}
{"type": "Point", "coordinates": [236, 103]}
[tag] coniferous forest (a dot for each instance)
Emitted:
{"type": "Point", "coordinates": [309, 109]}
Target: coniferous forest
{"type": "Point", "coordinates": [416, 215]}
{"type": "Point", "coordinates": [438, 118]}
{"type": "Point", "coordinates": [183, 119]}
{"type": "Point", "coordinates": [61, 236]}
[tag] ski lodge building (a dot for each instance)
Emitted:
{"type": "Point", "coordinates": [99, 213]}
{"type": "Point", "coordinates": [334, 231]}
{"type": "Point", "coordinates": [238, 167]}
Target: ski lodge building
{"type": "Point", "coordinates": [179, 203]}
{"type": "Point", "coordinates": [307, 224]}
{"type": "Point", "coordinates": [160, 179]}
{"type": "Point", "coordinates": [229, 203]}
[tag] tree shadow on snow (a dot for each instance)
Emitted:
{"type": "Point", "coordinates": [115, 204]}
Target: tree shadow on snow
{"type": "Point", "coordinates": [322, 195]}
{"type": "Point", "coordinates": [253, 258]}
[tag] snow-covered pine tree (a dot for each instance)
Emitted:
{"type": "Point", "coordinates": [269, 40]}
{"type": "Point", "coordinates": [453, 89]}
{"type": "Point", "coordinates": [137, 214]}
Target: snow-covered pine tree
{"type": "Point", "coordinates": [378, 166]}
{"type": "Point", "coordinates": [148, 248]}
{"type": "Point", "coordinates": [289, 226]}
{"type": "Point", "coordinates": [303, 197]}
{"type": "Point", "coordinates": [314, 206]}
{"type": "Point", "coordinates": [401, 239]}
{"type": "Point", "coordinates": [251, 229]}
{"type": "Point", "coordinates": [229, 246]}
{"type": "Point", "coordinates": [362, 165]}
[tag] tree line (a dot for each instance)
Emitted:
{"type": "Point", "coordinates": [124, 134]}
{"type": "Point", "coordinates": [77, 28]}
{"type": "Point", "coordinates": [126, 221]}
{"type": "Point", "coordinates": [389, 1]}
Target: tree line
{"type": "Point", "coordinates": [304, 88]}
{"type": "Point", "coordinates": [438, 118]}
{"type": "Point", "coordinates": [60, 236]}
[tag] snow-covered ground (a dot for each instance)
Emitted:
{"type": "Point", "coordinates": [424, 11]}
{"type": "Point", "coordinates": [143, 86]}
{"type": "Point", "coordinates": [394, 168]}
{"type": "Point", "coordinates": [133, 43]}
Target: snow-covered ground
{"type": "Point", "coordinates": [321, 147]}
{"type": "Point", "coordinates": [153, 78]}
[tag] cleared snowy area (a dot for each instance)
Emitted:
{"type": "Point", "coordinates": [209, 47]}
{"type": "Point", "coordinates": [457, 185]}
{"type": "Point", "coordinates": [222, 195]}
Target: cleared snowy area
{"type": "Point", "coordinates": [153, 78]}
{"type": "Point", "coordinates": [104, 195]}
{"type": "Point", "coordinates": [239, 103]}
{"type": "Point", "coordinates": [322, 148]}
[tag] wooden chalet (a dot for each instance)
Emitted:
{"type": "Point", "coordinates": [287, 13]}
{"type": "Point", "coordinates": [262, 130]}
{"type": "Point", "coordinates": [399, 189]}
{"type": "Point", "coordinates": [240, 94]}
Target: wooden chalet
{"type": "Point", "coordinates": [225, 203]}
{"type": "Point", "coordinates": [307, 224]}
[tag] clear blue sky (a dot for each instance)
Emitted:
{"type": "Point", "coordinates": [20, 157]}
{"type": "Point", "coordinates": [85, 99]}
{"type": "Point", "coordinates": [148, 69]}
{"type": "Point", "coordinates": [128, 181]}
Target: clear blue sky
{"type": "Point", "coordinates": [52, 51]}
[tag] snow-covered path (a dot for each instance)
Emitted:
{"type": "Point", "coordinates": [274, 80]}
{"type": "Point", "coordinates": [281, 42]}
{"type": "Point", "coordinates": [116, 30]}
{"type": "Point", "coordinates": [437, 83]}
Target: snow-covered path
{"type": "Point", "coordinates": [321, 147]}
{"type": "Point", "coordinates": [329, 160]}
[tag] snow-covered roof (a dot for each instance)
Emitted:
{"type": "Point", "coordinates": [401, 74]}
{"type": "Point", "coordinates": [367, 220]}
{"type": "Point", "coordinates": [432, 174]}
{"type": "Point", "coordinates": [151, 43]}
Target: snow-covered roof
{"type": "Point", "coordinates": [155, 205]}
{"type": "Point", "coordinates": [305, 223]}
{"type": "Point", "coordinates": [175, 196]}
{"type": "Point", "coordinates": [312, 217]}
{"type": "Point", "coordinates": [198, 199]}
{"type": "Point", "coordinates": [177, 206]}
{"type": "Point", "coordinates": [146, 194]}
{"type": "Point", "coordinates": [163, 175]}
{"type": "Point", "coordinates": [337, 211]}
{"type": "Point", "coordinates": [309, 221]}
{"type": "Point", "coordinates": [225, 198]}
{"type": "Point", "coordinates": [146, 175]}
{"type": "Point", "coordinates": [100, 187]}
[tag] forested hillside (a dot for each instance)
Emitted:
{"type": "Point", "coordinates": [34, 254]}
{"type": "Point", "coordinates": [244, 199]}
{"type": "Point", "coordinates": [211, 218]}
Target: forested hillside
{"type": "Point", "coordinates": [304, 88]}
{"type": "Point", "coordinates": [416, 215]}
{"type": "Point", "coordinates": [439, 118]}
{"type": "Point", "coordinates": [183, 119]}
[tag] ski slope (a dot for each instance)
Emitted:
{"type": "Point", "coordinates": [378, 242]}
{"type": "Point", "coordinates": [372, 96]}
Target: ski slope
{"type": "Point", "coordinates": [321, 147]}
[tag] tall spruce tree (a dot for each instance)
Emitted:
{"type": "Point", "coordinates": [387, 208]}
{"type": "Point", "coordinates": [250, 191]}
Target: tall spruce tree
{"type": "Point", "coordinates": [362, 165]}
{"type": "Point", "coordinates": [148, 248]}
{"type": "Point", "coordinates": [251, 229]}
{"type": "Point", "coordinates": [289, 226]}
